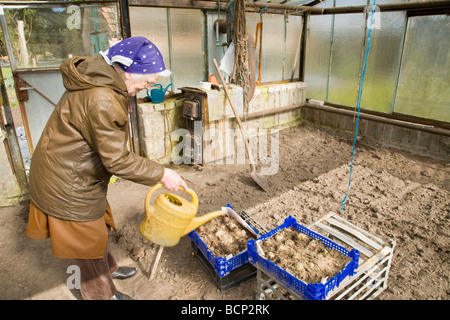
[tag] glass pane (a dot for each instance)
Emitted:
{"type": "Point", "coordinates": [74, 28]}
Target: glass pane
{"type": "Point", "coordinates": [326, 4]}
{"type": "Point", "coordinates": [317, 56]}
{"type": "Point", "coordinates": [423, 89]}
{"type": "Point", "coordinates": [139, 17]}
{"type": "Point", "coordinates": [383, 62]}
{"type": "Point", "coordinates": [294, 26]}
{"type": "Point", "coordinates": [186, 42]}
{"type": "Point", "coordinates": [272, 44]}
{"type": "Point", "coordinates": [346, 59]}
{"type": "Point", "coordinates": [186, 57]}
{"type": "Point", "coordinates": [44, 37]}
{"type": "Point", "coordinates": [278, 52]}
{"type": "Point", "coordinates": [349, 3]}
{"type": "Point", "coordinates": [298, 2]}
{"type": "Point", "coordinates": [215, 40]}
{"type": "Point", "coordinates": [388, 1]}
{"type": "Point", "coordinates": [394, 1]}
{"type": "Point", "coordinates": [252, 20]}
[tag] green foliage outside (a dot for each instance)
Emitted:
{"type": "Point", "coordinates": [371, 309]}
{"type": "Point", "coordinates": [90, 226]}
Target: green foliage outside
{"type": "Point", "coordinates": [9, 83]}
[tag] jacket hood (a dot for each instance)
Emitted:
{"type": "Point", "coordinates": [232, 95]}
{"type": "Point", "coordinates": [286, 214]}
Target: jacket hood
{"type": "Point", "coordinates": [80, 73]}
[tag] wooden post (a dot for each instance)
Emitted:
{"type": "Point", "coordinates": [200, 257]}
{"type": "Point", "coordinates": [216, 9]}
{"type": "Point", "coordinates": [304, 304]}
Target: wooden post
{"type": "Point", "coordinates": [156, 262]}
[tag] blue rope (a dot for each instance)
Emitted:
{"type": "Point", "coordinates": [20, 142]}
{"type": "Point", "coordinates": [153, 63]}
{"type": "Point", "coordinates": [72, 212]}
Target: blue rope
{"type": "Point", "coordinates": [359, 107]}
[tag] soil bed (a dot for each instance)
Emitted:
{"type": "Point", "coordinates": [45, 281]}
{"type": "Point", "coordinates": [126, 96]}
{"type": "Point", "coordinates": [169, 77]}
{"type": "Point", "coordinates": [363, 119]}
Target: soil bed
{"type": "Point", "coordinates": [394, 195]}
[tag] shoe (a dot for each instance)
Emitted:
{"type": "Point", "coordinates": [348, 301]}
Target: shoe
{"type": "Point", "coordinates": [124, 273]}
{"type": "Point", "coordinates": [120, 296]}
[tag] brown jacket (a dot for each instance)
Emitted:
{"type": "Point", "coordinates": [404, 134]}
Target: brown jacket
{"type": "Point", "coordinates": [84, 143]}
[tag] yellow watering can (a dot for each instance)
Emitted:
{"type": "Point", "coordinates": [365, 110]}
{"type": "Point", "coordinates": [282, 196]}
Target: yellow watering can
{"type": "Point", "coordinates": [172, 217]}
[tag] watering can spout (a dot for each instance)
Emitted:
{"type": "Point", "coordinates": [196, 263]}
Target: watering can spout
{"type": "Point", "coordinates": [165, 90]}
{"type": "Point", "coordinates": [198, 221]}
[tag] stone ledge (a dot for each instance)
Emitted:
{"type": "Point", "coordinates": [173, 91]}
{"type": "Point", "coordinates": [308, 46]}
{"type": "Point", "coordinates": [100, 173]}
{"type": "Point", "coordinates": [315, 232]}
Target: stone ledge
{"type": "Point", "coordinates": [158, 121]}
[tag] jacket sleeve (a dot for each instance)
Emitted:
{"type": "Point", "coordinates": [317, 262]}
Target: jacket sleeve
{"type": "Point", "coordinates": [105, 128]}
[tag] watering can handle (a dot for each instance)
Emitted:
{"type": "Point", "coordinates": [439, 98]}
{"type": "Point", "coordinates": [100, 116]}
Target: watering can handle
{"type": "Point", "coordinates": [159, 185]}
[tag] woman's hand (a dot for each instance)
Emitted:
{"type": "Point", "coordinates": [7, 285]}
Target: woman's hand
{"type": "Point", "coordinates": [172, 180]}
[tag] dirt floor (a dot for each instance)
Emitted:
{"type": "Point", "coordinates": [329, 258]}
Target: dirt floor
{"type": "Point", "coordinates": [393, 195]}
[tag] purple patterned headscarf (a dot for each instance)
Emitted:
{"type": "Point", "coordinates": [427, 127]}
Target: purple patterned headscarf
{"type": "Point", "coordinates": [136, 55]}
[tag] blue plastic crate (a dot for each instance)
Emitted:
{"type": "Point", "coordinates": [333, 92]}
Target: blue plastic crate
{"type": "Point", "coordinates": [310, 291]}
{"type": "Point", "coordinates": [222, 265]}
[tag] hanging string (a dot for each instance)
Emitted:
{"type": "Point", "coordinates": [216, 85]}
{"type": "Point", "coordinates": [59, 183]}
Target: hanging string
{"type": "Point", "coordinates": [359, 106]}
{"type": "Point", "coordinates": [241, 72]}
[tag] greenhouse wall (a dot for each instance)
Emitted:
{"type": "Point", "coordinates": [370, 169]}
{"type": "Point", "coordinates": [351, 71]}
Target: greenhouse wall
{"type": "Point", "coordinates": [408, 61]}
{"type": "Point", "coordinates": [188, 41]}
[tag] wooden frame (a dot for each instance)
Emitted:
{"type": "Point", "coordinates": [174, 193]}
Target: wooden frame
{"type": "Point", "coordinates": [371, 276]}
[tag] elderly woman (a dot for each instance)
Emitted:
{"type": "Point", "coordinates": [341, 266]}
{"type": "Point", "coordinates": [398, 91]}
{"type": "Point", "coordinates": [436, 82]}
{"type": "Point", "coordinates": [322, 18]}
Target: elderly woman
{"type": "Point", "coordinates": [83, 144]}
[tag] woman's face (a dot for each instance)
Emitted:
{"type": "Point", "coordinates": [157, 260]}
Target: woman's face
{"type": "Point", "coordinates": [136, 84]}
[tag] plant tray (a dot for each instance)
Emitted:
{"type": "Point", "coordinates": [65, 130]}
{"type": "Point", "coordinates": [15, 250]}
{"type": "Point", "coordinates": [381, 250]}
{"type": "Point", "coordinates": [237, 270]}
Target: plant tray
{"type": "Point", "coordinates": [309, 291]}
{"type": "Point", "coordinates": [224, 265]}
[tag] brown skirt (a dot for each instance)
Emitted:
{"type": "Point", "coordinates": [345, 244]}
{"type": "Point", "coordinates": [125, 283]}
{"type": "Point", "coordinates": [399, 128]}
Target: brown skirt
{"type": "Point", "coordinates": [71, 239]}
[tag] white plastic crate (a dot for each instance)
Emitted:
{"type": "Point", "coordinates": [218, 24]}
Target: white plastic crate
{"type": "Point", "coordinates": [372, 273]}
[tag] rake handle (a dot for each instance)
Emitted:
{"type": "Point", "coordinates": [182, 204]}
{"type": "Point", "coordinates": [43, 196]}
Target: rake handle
{"type": "Point", "coordinates": [238, 119]}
